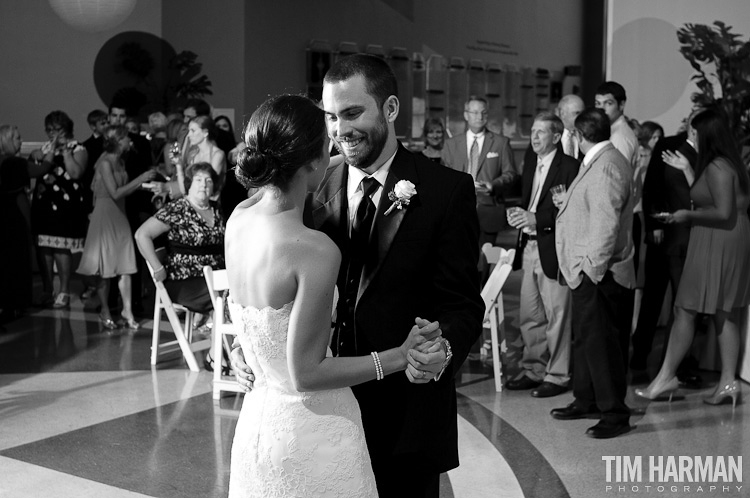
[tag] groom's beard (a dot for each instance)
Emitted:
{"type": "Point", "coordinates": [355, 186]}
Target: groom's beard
{"type": "Point", "coordinates": [369, 149]}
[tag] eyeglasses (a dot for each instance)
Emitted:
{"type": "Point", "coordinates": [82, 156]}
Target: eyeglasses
{"type": "Point", "coordinates": [477, 113]}
{"type": "Point", "coordinates": [49, 129]}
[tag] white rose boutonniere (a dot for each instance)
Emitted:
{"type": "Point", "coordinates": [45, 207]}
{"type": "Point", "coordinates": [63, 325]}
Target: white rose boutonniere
{"type": "Point", "coordinates": [401, 195]}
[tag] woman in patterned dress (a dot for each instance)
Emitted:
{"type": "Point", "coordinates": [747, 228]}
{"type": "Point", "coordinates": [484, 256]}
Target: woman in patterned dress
{"type": "Point", "coordinates": [58, 210]}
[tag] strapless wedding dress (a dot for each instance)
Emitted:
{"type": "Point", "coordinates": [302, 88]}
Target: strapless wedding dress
{"type": "Point", "coordinates": [288, 443]}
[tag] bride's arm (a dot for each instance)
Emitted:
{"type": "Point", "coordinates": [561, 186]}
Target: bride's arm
{"type": "Point", "coordinates": [310, 323]}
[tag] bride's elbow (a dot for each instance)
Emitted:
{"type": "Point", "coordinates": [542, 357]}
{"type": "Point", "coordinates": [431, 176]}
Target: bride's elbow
{"type": "Point", "coordinates": [303, 382]}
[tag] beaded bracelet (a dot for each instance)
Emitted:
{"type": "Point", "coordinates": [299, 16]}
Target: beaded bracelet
{"type": "Point", "coordinates": [378, 366]}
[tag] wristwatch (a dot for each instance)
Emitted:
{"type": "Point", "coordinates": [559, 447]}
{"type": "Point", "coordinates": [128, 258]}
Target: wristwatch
{"type": "Point", "coordinates": [448, 357]}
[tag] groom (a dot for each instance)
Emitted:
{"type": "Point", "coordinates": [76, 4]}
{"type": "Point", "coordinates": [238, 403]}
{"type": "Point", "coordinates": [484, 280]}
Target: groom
{"type": "Point", "coordinates": [418, 261]}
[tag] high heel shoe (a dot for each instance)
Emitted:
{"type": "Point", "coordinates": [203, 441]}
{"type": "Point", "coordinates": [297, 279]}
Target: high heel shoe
{"type": "Point", "coordinates": [107, 323]}
{"type": "Point", "coordinates": [667, 391]}
{"type": "Point", "coordinates": [730, 391]}
{"type": "Point", "coordinates": [130, 323]}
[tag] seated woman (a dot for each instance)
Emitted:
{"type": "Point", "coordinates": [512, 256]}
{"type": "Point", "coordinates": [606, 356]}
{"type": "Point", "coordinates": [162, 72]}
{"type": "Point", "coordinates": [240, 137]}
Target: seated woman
{"type": "Point", "coordinates": [434, 136]}
{"type": "Point", "coordinates": [195, 230]}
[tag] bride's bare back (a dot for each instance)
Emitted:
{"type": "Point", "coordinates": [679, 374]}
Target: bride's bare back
{"type": "Point", "coordinates": [269, 252]}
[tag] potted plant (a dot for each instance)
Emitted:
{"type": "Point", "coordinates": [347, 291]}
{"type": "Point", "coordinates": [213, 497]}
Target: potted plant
{"type": "Point", "coordinates": [722, 62]}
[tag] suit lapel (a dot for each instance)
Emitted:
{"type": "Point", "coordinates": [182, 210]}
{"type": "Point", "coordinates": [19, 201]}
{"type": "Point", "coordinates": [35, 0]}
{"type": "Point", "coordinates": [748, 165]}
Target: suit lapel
{"type": "Point", "coordinates": [553, 169]}
{"type": "Point", "coordinates": [489, 138]}
{"type": "Point", "coordinates": [386, 227]}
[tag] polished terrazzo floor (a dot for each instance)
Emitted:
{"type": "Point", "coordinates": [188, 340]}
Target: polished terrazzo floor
{"type": "Point", "coordinates": [83, 414]}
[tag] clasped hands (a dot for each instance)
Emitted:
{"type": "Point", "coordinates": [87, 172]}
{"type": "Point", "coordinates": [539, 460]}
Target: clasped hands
{"type": "Point", "coordinates": [425, 359]}
{"type": "Point", "coordinates": [423, 349]}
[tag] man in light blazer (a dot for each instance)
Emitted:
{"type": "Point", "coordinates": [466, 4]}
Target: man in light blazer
{"type": "Point", "coordinates": [488, 158]}
{"type": "Point", "coordinates": [595, 251]}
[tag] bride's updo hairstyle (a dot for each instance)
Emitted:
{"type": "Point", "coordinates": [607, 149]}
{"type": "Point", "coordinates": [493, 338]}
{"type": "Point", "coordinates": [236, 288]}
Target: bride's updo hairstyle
{"type": "Point", "coordinates": [284, 134]}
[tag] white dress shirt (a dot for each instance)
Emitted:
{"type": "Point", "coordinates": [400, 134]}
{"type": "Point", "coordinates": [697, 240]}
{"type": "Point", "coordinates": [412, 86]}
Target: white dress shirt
{"type": "Point", "coordinates": [470, 136]}
{"type": "Point", "coordinates": [354, 187]}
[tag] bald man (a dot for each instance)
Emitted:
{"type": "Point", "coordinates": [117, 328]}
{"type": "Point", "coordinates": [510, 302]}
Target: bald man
{"type": "Point", "coordinates": [568, 109]}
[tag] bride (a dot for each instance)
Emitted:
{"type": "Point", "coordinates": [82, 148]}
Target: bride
{"type": "Point", "coordinates": [300, 430]}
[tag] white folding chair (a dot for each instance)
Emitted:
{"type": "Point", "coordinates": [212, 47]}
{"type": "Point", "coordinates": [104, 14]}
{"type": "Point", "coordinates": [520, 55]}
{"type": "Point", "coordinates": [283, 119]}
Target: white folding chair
{"type": "Point", "coordinates": [183, 332]}
{"type": "Point", "coordinates": [494, 312]}
{"type": "Point", "coordinates": [217, 281]}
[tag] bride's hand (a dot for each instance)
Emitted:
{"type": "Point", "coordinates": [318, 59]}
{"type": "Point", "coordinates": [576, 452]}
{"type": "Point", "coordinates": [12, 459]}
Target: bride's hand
{"type": "Point", "coordinates": [245, 377]}
{"type": "Point", "coordinates": [675, 159]}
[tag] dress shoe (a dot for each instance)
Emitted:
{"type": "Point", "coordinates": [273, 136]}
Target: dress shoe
{"type": "Point", "coordinates": [730, 391]}
{"type": "Point", "coordinates": [574, 412]}
{"type": "Point", "coordinates": [690, 380]}
{"type": "Point", "coordinates": [660, 391]}
{"type": "Point", "coordinates": [606, 430]}
{"type": "Point", "coordinates": [522, 384]}
{"type": "Point", "coordinates": [547, 390]}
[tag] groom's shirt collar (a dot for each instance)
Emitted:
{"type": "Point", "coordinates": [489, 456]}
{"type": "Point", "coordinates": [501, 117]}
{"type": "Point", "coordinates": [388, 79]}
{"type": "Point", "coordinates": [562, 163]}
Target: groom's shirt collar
{"type": "Point", "coordinates": [354, 192]}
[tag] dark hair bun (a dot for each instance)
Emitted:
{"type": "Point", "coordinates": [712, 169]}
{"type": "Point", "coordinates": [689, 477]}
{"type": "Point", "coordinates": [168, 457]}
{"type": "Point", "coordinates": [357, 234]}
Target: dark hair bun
{"type": "Point", "coordinates": [255, 168]}
{"type": "Point", "coordinates": [284, 134]}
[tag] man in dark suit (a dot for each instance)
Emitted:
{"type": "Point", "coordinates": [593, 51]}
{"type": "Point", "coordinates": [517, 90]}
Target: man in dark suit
{"type": "Point", "coordinates": [488, 158]}
{"type": "Point", "coordinates": [545, 303]}
{"type": "Point", "coordinates": [665, 190]}
{"type": "Point", "coordinates": [417, 262]}
{"type": "Point", "coordinates": [595, 252]}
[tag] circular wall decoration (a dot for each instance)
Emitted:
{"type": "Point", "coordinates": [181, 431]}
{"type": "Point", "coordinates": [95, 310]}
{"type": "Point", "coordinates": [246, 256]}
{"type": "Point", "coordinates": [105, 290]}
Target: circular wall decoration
{"type": "Point", "coordinates": [134, 66]}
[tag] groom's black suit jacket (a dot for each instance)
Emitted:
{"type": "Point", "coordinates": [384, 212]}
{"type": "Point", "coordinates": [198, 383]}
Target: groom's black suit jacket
{"type": "Point", "coordinates": [423, 264]}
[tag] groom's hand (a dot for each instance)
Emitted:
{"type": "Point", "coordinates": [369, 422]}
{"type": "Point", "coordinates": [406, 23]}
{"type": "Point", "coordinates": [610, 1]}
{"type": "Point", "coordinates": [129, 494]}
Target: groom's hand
{"type": "Point", "coordinates": [245, 376]}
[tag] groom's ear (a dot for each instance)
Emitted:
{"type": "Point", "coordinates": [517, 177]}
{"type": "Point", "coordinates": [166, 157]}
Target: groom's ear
{"type": "Point", "coordinates": [390, 108]}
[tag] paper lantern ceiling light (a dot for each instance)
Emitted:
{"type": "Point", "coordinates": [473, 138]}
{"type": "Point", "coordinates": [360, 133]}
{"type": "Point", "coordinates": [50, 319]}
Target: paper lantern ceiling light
{"type": "Point", "coordinates": [93, 15]}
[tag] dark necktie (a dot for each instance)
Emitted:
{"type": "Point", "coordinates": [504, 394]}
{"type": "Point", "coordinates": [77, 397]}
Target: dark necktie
{"type": "Point", "coordinates": [474, 158]}
{"type": "Point", "coordinates": [359, 249]}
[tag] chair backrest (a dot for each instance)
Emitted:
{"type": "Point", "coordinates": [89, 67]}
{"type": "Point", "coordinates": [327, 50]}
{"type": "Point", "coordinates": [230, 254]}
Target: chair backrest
{"type": "Point", "coordinates": [494, 286]}
{"type": "Point", "coordinates": [496, 254]}
{"type": "Point", "coordinates": [216, 281]}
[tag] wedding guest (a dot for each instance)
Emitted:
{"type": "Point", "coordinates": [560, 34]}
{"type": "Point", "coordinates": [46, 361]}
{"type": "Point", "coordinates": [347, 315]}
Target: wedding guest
{"type": "Point", "coordinates": [716, 277]}
{"type": "Point", "coordinates": [225, 137]}
{"type": "Point", "coordinates": [202, 139]}
{"type": "Point", "coordinates": [157, 123]}
{"type": "Point", "coordinates": [15, 225]}
{"type": "Point", "coordinates": [58, 210]}
{"type": "Point", "coordinates": [651, 133]}
{"type": "Point", "coordinates": [109, 251]}
{"type": "Point", "coordinates": [665, 190]}
{"type": "Point", "coordinates": [195, 230]}
{"type": "Point", "coordinates": [595, 252]}
{"type": "Point", "coordinates": [138, 205]}
{"type": "Point", "coordinates": [433, 132]}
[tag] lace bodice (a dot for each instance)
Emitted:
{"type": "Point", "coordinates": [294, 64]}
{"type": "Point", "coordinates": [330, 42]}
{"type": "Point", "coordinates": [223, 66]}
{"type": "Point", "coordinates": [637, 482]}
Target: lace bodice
{"type": "Point", "coordinates": [288, 443]}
